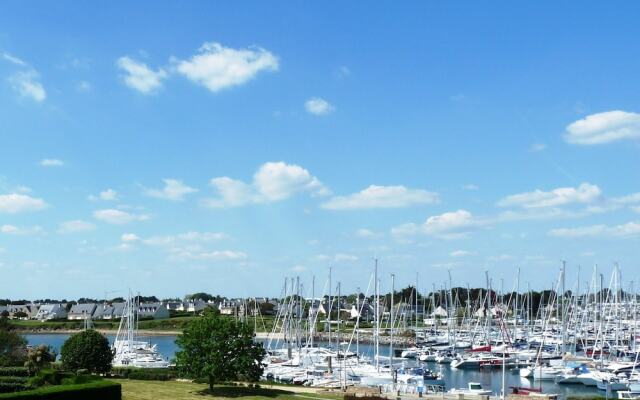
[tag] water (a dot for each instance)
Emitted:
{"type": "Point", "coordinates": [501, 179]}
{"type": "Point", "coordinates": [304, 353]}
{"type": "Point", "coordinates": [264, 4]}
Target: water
{"type": "Point", "coordinates": [165, 344]}
{"type": "Point", "coordinates": [490, 379]}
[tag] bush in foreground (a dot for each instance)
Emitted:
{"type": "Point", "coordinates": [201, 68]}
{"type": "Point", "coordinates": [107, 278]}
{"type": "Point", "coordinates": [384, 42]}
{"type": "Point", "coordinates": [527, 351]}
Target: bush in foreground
{"type": "Point", "coordinates": [88, 350]}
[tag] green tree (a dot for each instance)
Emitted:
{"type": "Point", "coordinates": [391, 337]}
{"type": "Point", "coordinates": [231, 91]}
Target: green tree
{"type": "Point", "coordinates": [39, 358]}
{"type": "Point", "coordinates": [13, 347]}
{"type": "Point", "coordinates": [219, 349]}
{"type": "Point", "coordinates": [88, 350]}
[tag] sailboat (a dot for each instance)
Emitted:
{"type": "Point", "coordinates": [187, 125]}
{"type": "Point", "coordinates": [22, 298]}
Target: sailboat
{"type": "Point", "coordinates": [127, 349]}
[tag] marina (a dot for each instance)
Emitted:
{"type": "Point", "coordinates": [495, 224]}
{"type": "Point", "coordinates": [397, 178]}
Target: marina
{"type": "Point", "coordinates": [579, 344]}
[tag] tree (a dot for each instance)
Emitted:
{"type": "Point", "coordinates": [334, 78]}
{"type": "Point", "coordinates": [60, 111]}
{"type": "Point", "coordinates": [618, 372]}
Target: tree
{"type": "Point", "coordinates": [88, 350]}
{"type": "Point", "coordinates": [13, 347]}
{"type": "Point", "coordinates": [219, 349]}
{"type": "Point", "coordinates": [20, 314]}
{"type": "Point", "coordinates": [39, 358]}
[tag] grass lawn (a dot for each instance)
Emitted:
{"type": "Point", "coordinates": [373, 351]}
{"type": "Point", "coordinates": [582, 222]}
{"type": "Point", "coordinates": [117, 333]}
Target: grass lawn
{"type": "Point", "coordinates": [170, 390]}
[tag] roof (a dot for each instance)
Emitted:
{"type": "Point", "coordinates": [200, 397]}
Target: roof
{"type": "Point", "coordinates": [87, 308]}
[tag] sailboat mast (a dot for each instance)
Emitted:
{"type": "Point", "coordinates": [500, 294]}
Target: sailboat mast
{"type": "Point", "coordinates": [330, 306]}
{"type": "Point", "coordinates": [377, 309]}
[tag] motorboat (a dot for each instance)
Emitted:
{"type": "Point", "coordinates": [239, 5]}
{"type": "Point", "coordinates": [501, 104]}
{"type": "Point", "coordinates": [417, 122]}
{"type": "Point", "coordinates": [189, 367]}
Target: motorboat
{"type": "Point", "coordinates": [473, 388]}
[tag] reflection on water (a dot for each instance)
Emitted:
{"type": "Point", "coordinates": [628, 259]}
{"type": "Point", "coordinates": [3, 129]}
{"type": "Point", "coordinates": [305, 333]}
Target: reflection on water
{"type": "Point", "coordinates": [454, 378]}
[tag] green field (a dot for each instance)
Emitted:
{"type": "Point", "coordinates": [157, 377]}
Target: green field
{"type": "Point", "coordinates": [171, 390]}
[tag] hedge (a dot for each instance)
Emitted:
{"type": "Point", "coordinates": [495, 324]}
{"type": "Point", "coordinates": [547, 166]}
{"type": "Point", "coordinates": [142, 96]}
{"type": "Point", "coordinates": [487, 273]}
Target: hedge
{"type": "Point", "coordinates": [14, 371]}
{"type": "Point", "coordinates": [10, 387]}
{"type": "Point", "coordinates": [101, 390]}
{"type": "Point", "coordinates": [145, 374]}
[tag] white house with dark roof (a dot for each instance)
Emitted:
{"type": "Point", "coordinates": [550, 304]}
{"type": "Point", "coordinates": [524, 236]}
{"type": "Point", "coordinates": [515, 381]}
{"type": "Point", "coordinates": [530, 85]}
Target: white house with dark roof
{"type": "Point", "coordinates": [81, 311]}
{"type": "Point", "coordinates": [48, 312]}
{"type": "Point", "coordinates": [152, 310]}
{"type": "Point", "coordinates": [192, 306]}
{"type": "Point", "coordinates": [108, 311]}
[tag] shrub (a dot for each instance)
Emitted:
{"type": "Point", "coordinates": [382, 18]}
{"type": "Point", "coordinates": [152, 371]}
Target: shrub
{"type": "Point", "coordinates": [88, 350]}
{"type": "Point", "coordinates": [102, 390]}
{"type": "Point", "coordinates": [14, 371]}
{"type": "Point", "coordinates": [145, 374]}
{"type": "Point", "coordinates": [48, 376]}
{"type": "Point", "coordinates": [39, 357]}
{"type": "Point", "coordinates": [9, 387]}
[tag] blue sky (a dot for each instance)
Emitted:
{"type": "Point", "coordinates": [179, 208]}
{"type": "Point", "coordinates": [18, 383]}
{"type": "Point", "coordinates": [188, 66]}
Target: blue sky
{"type": "Point", "coordinates": [172, 148]}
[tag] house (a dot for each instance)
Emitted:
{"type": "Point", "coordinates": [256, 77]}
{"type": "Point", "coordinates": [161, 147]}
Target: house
{"type": "Point", "coordinates": [173, 305]}
{"type": "Point", "coordinates": [192, 306]}
{"type": "Point", "coordinates": [229, 307]}
{"type": "Point", "coordinates": [48, 312]}
{"type": "Point", "coordinates": [108, 311]}
{"type": "Point", "coordinates": [81, 311]}
{"type": "Point", "coordinates": [316, 308]}
{"type": "Point", "coordinates": [153, 310]}
{"type": "Point", "coordinates": [366, 312]}
{"type": "Point", "coordinates": [18, 311]}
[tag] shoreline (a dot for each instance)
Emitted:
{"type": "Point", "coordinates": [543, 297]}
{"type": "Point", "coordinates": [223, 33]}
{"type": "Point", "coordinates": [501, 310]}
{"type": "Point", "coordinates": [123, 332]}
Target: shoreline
{"type": "Point", "coordinates": [141, 332]}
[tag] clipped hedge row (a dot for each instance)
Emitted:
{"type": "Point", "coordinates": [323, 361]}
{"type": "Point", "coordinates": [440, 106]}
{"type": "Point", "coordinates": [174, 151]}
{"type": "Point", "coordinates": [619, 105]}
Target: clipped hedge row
{"type": "Point", "coordinates": [102, 390]}
{"type": "Point", "coordinates": [10, 387]}
{"type": "Point", "coordinates": [14, 371]}
{"type": "Point", "coordinates": [13, 379]}
{"type": "Point", "coordinates": [145, 374]}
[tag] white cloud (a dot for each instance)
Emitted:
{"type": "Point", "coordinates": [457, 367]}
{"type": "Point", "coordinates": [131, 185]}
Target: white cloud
{"type": "Point", "coordinates": [137, 75]}
{"type": "Point", "coordinates": [339, 257]}
{"type": "Point", "coordinates": [470, 186]}
{"type": "Point", "coordinates": [27, 84]}
{"type": "Point", "coordinates": [192, 246]}
{"type": "Point", "coordinates": [129, 237]}
{"type": "Point", "coordinates": [76, 226]}
{"type": "Point", "coordinates": [537, 147]}
{"type": "Point", "coordinates": [22, 231]}
{"type": "Point", "coordinates": [460, 253]}
{"type": "Point", "coordinates": [274, 181]}
{"type": "Point", "coordinates": [630, 229]}
{"type": "Point", "coordinates": [106, 195]}
{"type": "Point", "coordinates": [14, 60]}
{"type": "Point", "coordinates": [14, 203]}
{"type": "Point", "coordinates": [51, 162]}
{"type": "Point", "coordinates": [118, 217]}
{"type": "Point", "coordinates": [604, 127]}
{"type": "Point", "coordinates": [26, 80]}
{"type": "Point", "coordinates": [343, 71]}
{"type": "Point", "coordinates": [173, 190]}
{"type": "Point", "coordinates": [585, 193]}
{"type": "Point", "coordinates": [636, 209]}
{"type": "Point", "coordinates": [217, 67]}
{"type": "Point", "coordinates": [382, 197]}
{"type": "Point", "coordinates": [501, 257]}
{"type": "Point", "coordinates": [450, 225]}
{"type": "Point", "coordinates": [633, 198]}
{"type": "Point", "coordinates": [109, 195]}
{"type": "Point", "coordinates": [83, 86]}
{"type": "Point", "coordinates": [216, 255]}
{"type": "Point", "coordinates": [193, 236]}
{"type": "Point", "coordinates": [366, 233]}
{"type": "Point", "coordinates": [318, 106]}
